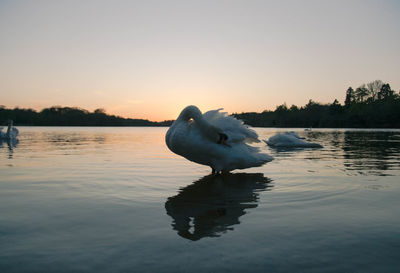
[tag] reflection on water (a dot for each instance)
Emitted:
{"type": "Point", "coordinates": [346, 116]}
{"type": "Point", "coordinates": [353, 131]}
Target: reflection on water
{"type": "Point", "coordinates": [93, 199]}
{"type": "Point", "coordinates": [74, 138]}
{"type": "Point", "coordinates": [356, 152]}
{"type": "Point", "coordinates": [11, 144]}
{"type": "Point", "coordinates": [212, 205]}
{"type": "Point", "coordinates": [372, 151]}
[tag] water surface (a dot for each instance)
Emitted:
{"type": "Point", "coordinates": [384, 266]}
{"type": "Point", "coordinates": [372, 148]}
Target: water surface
{"type": "Point", "coordinates": [117, 200]}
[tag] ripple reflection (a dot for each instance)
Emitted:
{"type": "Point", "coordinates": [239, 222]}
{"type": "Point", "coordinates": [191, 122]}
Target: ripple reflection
{"type": "Point", "coordinates": [353, 151]}
{"type": "Point", "coordinates": [212, 205]}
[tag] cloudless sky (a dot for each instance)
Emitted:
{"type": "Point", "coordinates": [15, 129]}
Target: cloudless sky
{"type": "Point", "coordinates": [149, 59]}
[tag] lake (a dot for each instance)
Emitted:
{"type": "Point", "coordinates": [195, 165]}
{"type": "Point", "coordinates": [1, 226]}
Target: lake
{"type": "Point", "coordinates": [90, 199]}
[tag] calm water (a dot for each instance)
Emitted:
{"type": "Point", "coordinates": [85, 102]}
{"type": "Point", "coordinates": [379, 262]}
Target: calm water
{"type": "Point", "coordinates": [117, 200]}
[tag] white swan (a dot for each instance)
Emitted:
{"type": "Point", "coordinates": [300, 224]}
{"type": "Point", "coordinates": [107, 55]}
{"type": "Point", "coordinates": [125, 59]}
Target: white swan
{"type": "Point", "coordinates": [214, 139]}
{"type": "Point", "coordinates": [290, 140]}
{"type": "Point", "coordinates": [11, 133]}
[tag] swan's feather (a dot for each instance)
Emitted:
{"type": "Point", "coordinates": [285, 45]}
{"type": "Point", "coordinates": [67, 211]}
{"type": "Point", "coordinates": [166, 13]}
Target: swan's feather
{"type": "Point", "coordinates": [236, 130]}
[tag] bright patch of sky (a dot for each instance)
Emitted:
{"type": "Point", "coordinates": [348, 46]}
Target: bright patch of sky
{"type": "Point", "coordinates": [149, 59]}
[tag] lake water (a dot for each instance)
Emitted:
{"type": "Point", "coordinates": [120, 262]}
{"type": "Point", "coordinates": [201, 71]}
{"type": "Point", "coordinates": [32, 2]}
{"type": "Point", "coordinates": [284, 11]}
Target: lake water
{"type": "Point", "coordinates": [117, 200]}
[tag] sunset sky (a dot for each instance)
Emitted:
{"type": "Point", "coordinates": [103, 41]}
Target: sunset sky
{"type": "Point", "coordinates": [149, 59]}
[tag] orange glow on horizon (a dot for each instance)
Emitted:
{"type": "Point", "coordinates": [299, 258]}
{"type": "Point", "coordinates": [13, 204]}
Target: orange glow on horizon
{"type": "Point", "coordinates": [139, 60]}
{"type": "Point", "coordinates": [155, 112]}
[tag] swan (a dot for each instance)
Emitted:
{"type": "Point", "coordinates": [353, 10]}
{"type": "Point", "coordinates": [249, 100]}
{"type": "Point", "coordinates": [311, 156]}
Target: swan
{"type": "Point", "coordinates": [214, 139]}
{"type": "Point", "coordinates": [11, 133]}
{"type": "Point", "coordinates": [290, 140]}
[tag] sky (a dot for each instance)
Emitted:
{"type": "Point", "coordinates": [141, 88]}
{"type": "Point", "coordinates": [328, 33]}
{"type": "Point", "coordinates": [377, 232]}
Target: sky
{"type": "Point", "coordinates": [149, 59]}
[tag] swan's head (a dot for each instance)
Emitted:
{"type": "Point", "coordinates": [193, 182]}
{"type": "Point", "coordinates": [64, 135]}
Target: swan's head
{"type": "Point", "coordinates": [192, 112]}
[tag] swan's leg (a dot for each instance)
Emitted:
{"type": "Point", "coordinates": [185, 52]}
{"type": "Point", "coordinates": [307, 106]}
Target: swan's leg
{"type": "Point", "coordinates": [218, 173]}
{"type": "Point", "coordinates": [214, 172]}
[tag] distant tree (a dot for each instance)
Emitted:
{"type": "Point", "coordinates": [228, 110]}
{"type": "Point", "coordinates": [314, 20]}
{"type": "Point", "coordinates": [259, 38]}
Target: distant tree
{"type": "Point", "coordinates": [70, 116]}
{"type": "Point", "coordinates": [281, 108]}
{"type": "Point", "coordinates": [361, 93]}
{"type": "Point", "coordinates": [350, 97]}
{"type": "Point", "coordinates": [100, 111]}
{"type": "Point", "coordinates": [386, 92]}
{"type": "Point", "coordinates": [374, 88]}
{"type": "Point", "coordinates": [310, 105]}
{"type": "Point", "coordinates": [334, 109]}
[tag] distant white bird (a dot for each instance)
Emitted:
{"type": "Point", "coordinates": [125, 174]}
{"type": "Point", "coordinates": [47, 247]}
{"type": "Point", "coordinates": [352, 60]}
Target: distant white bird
{"type": "Point", "coordinates": [290, 140]}
{"type": "Point", "coordinates": [11, 133]}
{"type": "Point", "coordinates": [214, 139]}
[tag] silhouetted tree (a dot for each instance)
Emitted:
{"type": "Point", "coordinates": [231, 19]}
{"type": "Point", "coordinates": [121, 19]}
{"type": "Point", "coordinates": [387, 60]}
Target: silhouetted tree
{"type": "Point", "coordinates": [364, 108]}
{"type": "Point", "coordinates": [374, 88]}
{"type": "Point", "coordinates": [361, 93]}
{"type": "Point", "coordinates": [70, 116]}
{"type": "Point", "coordinates": [335, 107]}
{"type": "Point", "coordinates": [281, 108]}
{"type": "Point", "coordinates": [100, 111]}
{"type": "Point", "coordinates": [386, 92]}
{"type": "Point", "coordinates": [350, 97]}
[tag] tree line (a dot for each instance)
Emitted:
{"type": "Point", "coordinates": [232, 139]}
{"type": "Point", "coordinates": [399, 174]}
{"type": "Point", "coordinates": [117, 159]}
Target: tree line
{"type": "Point", "coordinates": [70, 116]}
{"type": "Point", "coordinates": [372, 105]}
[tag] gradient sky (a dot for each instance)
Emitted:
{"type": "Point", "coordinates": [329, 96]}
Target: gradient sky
{"type": "Point", "coordinates": [149, 59]}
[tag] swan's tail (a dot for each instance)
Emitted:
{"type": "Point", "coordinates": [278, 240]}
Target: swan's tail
{"type": "Point", "coordinates": [266, 158]}
{"type": "Point", "coordinates": [263, 158]}
{"type": "Point", "coordinates": [257, 158]}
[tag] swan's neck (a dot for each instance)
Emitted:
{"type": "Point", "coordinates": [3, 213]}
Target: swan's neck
{"type": "Point", "coordinates": [192, 112]}
{"type": "Point", "coordinates": [10, 124]}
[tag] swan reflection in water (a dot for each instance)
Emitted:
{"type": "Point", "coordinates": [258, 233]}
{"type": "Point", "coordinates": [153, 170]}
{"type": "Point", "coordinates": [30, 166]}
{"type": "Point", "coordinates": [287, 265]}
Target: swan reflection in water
{"type": "Point", "coordinates": [212, 205]}
{"type": "Point", "coordinates": [11, 144]}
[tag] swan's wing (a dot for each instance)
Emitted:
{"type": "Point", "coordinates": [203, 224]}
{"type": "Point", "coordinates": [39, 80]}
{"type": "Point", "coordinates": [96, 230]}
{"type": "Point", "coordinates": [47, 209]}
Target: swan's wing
{"type": "Point", "coordinates": [234, 128]}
